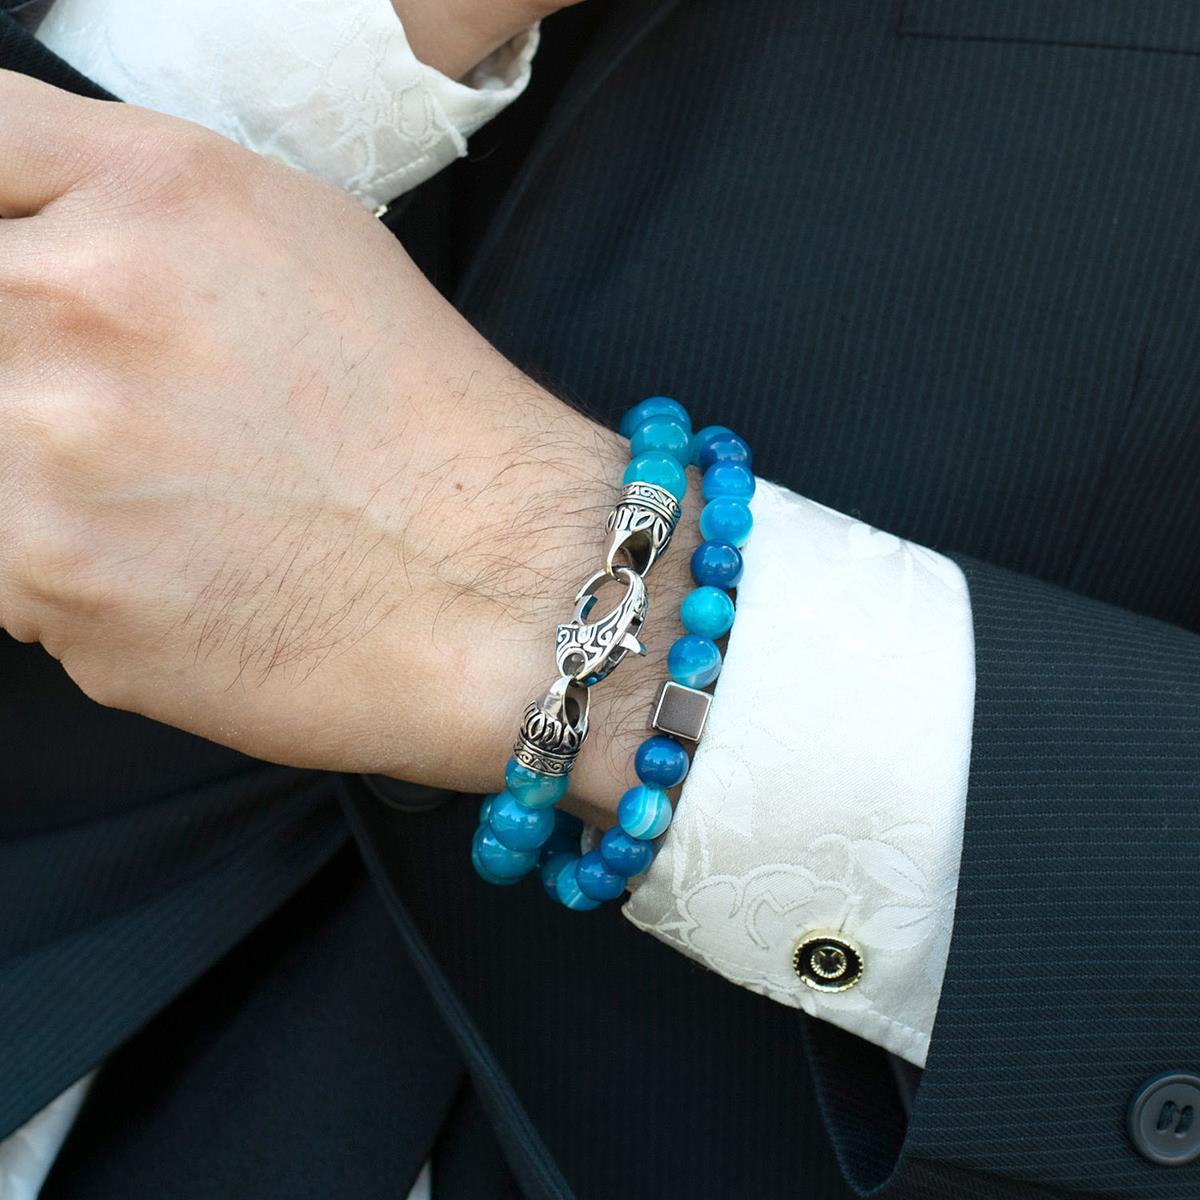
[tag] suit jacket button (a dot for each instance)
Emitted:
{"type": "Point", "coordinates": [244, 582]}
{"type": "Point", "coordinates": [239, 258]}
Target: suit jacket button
{"type": "Point", "coordinates": [827, 961]}
{"type": "Point", "coordinates": [1164, 1119]}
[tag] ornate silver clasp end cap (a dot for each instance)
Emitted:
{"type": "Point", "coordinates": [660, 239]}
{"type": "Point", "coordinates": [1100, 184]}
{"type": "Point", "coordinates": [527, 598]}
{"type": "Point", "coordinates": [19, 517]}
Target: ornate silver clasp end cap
{"type": "Point", "coordinates": [640, 526]}
{"type": "Point", "coordinates": [554, 728]}
{"type": "Point", "coordinates": [588, 652]}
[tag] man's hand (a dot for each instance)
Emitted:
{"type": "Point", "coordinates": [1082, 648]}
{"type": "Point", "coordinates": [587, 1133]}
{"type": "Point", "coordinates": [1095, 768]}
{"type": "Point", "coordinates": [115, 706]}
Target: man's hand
{"type": "Point", "coordinates": [259, 480]}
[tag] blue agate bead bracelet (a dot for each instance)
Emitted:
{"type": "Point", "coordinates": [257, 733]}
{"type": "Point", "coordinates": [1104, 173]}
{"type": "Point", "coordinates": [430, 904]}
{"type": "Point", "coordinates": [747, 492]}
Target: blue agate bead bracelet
{"type": "Point", "coordinates": [520, 828]}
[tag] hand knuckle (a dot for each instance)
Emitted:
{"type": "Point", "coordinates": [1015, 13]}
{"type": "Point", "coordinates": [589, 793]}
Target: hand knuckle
{"type": "Point", "coordinates": [174, 165]}
{"type": "Point", "coordinates": [100, 292]}
{"type": "Point", "coordinates": [70, 435]}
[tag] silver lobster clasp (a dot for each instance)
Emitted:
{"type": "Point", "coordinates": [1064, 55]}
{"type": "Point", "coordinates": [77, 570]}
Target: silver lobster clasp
{"type": "Point", "coordinates": [588, 651]}
{"type": "Point", "coordinates": [553, 728]}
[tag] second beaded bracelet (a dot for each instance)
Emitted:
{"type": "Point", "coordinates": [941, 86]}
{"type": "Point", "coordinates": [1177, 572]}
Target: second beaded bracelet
{"type": "Point", "coordinates": [519, 827]}
{"type": "Point", "coordinates": [644, 813]}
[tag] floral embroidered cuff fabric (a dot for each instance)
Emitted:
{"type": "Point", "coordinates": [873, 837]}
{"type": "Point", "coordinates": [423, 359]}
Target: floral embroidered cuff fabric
{"type": "Point", "coordinates": [829, 791]}
{"type": "Point", "coordinates": [341, 95]}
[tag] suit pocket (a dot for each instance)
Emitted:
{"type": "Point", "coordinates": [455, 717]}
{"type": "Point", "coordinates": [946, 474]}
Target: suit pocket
{"type": "Point", "coordinates": [1167, 26]}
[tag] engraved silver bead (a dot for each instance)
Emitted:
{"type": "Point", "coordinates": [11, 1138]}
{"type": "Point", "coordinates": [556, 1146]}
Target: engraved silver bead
{"type": "Point", "coordinates": [640, 526]}
{"type": "Point", "coordinates": [554, 728]}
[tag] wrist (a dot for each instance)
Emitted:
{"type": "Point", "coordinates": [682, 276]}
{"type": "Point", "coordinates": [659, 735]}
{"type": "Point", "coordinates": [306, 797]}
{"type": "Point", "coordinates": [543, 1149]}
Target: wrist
{"type": "Point", "coordinates": [526, 516]}
{"type": "Point", "coordinates": [525, 512]}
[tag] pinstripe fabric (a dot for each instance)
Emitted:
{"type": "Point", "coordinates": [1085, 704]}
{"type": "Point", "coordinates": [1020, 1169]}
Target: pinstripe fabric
{"type": "Point", "coordinates": [1170, 26]}
{"type": "Point", "coordinates": [132, 858]}
{"type": "Point", "coordinates": [643, 1075]}
{"type": "Point", "coordinates": [911, 268]}
{"type": "Point", "coordinates": [270, 1091]}
{"type": "Point", "coordinates": [183, 887]}
{"type": "Point", "coordinates": [1076, 963]}
{"type": "Point", "coordinates": [1074, 967]}
{"type": "Point", "coordinates": [939, 261]}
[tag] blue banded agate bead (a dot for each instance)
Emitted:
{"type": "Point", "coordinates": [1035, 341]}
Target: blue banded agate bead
{"type": "Point", "coordinates": [532, 788]}
{"type": "Point", "coordinates": [655, 406]}
{"type": "Point", "coordinates": [658, 468]}
{"type": "Point", "coordinates": [727, 480]}
{"type": "Point", "coordinates": [495, 862]}
{"type": "Point", "coordinates": [596, 880]}
{"type": "Point", "coordinates": [565, 838]}
{"type": "Point", "coordinates": [707, 612]}
{"type": "Point", "coordinates": [661, 762]}
{"type": "Point", "coordinates": [694, 661]}
{"type": "Point", "coordinates": [485, 809]}
{"type": "Point", "coordinates": [625, 855]}
{"type": "Point", "coordinates": [717, 564]}
{"type": "Point", "coordinates": [518, 827]}
{"type": "Point", "coordinates": [726, 447]}
{"type": "Point", "coordinates": [664, 435]}
{"type": "Point", "coordinates": [550, 869]}
{"type": "Point", "coordinates": [701, 439]}
{"type": "Point", "coordinates": [570, 894]}
{"type": "Point", "coordinates": [726, 521]}
{"type": "Point", "coordinates": [644, 812]}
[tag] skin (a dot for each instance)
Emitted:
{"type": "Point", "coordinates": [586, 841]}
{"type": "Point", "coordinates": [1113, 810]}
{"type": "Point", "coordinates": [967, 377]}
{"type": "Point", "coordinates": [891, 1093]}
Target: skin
{"type": "Point", "coordinates": [261, 482]}
{"type": "Point", "coordinates": [455, 35]}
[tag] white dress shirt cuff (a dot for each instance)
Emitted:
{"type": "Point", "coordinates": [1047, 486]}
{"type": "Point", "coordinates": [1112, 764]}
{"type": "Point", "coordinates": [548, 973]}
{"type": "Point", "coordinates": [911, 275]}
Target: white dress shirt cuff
{"type": "Point", "coordinates": [341, 96]}
{"type": "Point", "coordinates": [829, 790]}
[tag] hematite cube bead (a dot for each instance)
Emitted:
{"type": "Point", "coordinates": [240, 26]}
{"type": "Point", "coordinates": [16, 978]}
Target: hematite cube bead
{"type": "Point", "coordinates": [681, 711]}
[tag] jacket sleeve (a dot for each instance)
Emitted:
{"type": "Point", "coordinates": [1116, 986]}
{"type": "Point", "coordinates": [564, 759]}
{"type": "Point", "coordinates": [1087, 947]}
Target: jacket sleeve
{"type": "Point", "coordinates": [25, 54]}
{"type": "Point", "coordinates": [1074, 966]}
